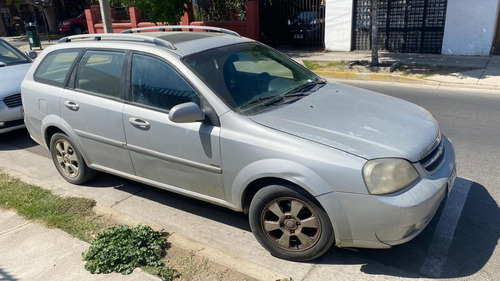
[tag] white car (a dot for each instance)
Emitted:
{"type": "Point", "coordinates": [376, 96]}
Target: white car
{"type": "Point", "coordinates": [13, 67]}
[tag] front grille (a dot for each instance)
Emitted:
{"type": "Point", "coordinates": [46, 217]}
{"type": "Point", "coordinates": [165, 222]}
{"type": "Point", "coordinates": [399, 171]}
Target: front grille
{"type": "Point", "coordinates": [13, 100]}
{"type": "Point", "coordinates": [433, 161]}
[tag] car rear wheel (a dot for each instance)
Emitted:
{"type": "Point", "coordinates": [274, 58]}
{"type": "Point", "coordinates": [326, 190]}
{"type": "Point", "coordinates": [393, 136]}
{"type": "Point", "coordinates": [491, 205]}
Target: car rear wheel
{"type": "Point", "coordinates": [289, 223]}
{"type": "Point", "coordinates": [68, 160]}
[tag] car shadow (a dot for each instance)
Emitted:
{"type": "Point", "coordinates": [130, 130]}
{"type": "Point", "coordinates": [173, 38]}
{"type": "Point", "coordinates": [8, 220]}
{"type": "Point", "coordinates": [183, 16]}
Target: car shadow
{"type": "Point", "coordinates": [5, 276]}
{"type": "Point", "coordinates": [471, 242]}
{"type": "Point", "coordinates": [171, 199]}
{"type": "Point", "coordinates": [17, 139]}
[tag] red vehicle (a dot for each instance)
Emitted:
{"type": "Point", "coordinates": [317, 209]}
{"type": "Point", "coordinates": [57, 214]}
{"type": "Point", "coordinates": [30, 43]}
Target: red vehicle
{"type": "Point", "coordinates": [76, 25]}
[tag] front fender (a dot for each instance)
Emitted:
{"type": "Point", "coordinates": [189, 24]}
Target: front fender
{"type": "Point", "coordinates": [282, 169]}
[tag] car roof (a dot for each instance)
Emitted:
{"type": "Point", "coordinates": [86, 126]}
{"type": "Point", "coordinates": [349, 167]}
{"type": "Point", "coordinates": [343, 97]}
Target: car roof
{"type": "Point", "coordinates": [182, 43]}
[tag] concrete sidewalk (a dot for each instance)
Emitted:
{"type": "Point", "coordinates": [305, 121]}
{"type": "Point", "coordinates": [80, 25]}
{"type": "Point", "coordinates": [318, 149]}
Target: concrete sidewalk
{"type": "Point", "coordinates": [486, 74]}
{"type": "Point", "coordinates": [30, 251]}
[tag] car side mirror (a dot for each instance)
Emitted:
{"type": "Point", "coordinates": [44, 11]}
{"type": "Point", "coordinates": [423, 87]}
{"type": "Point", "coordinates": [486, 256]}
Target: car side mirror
{"type": "Point", "coordinates": [32, 54]}
{"type": "Point", "coordinates": [186, 113]}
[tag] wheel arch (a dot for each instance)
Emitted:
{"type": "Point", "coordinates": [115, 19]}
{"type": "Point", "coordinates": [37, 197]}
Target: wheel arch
{"type": "Point", "coordinates": [264, 172]}
{"type": "Point", "coordinates": [54, 124]}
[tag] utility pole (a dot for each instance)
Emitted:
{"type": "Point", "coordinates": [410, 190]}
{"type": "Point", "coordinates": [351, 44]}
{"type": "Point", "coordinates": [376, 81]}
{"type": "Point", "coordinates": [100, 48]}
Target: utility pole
{"type": "Point", "coordinates": [374, 36]}
{"type": "Point", "coordinates": [106, 16]}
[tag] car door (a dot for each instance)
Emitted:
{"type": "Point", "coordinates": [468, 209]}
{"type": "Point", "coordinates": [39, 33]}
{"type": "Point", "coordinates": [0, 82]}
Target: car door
{"type": "Point", "coordinates": [180, 155]}
{"type": "Point", "coordinates": [92, 106]}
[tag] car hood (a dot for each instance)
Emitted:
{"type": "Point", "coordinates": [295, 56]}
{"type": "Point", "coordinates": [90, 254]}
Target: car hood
{"type": "Point", "coordinates": [11, 78]}
{"type": "Point", "coordinates": [357, 121]}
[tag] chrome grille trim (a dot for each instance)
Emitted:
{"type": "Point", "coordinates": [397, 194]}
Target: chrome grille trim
{"type": "Point", "coordinates": [431, 147]}
{"type": "Point", "coordinates": [434, 160]}
{"type": "Point", "coordinates": [13, 100]}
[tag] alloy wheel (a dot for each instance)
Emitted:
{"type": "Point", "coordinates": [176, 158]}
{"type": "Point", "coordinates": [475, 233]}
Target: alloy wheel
{"type": "Point", "coordinates": [291, 224]}
{"type": "Point", "coordinates": [66, 158]}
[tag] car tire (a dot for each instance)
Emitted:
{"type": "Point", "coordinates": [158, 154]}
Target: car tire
{"type": "Point", "coordinates": [69, 161]}
{"type": "Point", "coordinates": [290, 223]}
{"type": "Point", "coordinates": [76, 30]}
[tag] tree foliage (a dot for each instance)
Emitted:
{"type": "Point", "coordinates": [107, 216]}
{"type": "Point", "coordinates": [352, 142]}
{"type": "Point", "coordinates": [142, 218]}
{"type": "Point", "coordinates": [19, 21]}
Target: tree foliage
{"type": "Point", "coordinates": [162, 11]}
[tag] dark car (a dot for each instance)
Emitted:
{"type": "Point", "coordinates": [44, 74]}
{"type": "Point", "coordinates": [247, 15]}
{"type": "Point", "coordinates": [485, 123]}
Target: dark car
{"type": "Point", "coordinates": [307, 26]}
{"type": "Point", "coordinates": [76, 25]}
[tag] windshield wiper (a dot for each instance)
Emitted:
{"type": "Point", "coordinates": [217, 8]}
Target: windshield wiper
{"type": "Point", "coordinates": [272, 99]}
{"type": "Point", "coordinates": [305, 88]}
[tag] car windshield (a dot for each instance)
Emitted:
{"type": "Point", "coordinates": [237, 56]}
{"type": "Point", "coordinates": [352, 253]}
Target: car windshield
{"type": "Point", "coordinates": [251, 77]}
{"type": "Point", "coordinates": [308, 15]}
{"type": "Point", "coordinates": [9, 55]}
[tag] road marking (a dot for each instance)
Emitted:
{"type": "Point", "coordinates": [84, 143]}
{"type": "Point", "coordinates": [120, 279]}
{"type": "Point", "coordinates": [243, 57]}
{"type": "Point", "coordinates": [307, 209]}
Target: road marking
{"type": "Point", "coordinates": [437, 254]}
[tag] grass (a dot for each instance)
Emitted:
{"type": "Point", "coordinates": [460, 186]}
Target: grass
{"type": "Point", "coordinates": [72, 214]}
{"type": "Point", "coordinates": [312, 65]}
{"type": "Point", "coordinates": [341, 64]}
{"type": "Point", "coordinates": [75, 216]}
{"type": "Point", "coordinates": [417, 71]}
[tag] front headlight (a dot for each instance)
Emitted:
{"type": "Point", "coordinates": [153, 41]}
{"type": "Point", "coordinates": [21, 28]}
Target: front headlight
{"type": "Point", "coordinates": [385, 176]}
{"type": "Point", "coordinates": [65, 23]}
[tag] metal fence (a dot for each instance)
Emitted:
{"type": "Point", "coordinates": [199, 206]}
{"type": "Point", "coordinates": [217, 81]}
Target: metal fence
{"type": "Point", "coordinates": [296, 23]}
{"type": "Point", "coordinates": [415, 26]}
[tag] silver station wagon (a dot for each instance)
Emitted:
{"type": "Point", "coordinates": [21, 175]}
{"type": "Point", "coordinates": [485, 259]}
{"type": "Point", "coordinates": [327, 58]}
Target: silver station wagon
{"type": "Point", "coordinates": [228, 120]}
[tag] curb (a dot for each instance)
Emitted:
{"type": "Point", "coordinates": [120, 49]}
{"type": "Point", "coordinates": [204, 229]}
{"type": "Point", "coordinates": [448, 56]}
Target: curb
{"type": "Point", "coordinates": [368, 76]}
{"type": "Point", "coordinates": [391, 78]}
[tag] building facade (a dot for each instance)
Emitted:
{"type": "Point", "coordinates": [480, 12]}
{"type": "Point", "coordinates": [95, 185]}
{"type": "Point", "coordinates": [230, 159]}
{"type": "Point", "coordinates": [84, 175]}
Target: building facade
{"type": "Point", "coordinates": [458, 27]}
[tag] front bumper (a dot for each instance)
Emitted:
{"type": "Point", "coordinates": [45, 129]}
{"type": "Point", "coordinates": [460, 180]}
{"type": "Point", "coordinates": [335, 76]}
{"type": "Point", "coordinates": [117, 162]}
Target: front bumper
{"type": "Point", "coordinates": [382, 221]}
{"type": "Point", "coordinates": [64, 28]}
{"type": "Point", "coordinates": [11, 118]}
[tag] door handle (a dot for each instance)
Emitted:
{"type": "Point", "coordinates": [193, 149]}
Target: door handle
{"type": "Point", "coordinates": [139, 123]}
{"type": "Point", "coordinates": [72, 105]}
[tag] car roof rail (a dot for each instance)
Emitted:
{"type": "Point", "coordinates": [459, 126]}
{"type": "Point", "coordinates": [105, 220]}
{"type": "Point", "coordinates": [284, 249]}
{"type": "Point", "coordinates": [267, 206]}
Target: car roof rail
{"type": "Point", "coordinates": [119, 36]}
{"type": "Point", "coordinates": [197, 27]}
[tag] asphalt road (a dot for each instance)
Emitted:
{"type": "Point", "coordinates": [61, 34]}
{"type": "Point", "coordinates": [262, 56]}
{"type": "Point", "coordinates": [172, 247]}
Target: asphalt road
{"type": "Point", "coordinates": [461, 242]}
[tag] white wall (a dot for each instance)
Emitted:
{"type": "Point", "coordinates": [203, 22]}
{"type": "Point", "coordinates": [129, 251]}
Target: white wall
{"type": "Point", "coordinates": [338, 25]}
{"type": "Point", "coordinates": [470, 27]}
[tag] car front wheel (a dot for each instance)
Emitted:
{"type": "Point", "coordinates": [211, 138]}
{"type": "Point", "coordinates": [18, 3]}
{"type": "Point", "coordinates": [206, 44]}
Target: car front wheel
{"type": "Point", "coordinates": [77, 30]}
{"type": "Point", "coordinates": [289, 223]}
{"type": "Point", "coordinates": [68, 160]}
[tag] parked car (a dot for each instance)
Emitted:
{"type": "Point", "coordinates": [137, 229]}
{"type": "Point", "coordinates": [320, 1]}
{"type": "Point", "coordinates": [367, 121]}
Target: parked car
{"type": "Point", "coordinates": [230, 121]}
{"type": "Point", "coordinates": [76, 25]}
{"type": "Point", "coordinates": [307, 27]}
{"type": "Point", "coordinates": [13, 67]}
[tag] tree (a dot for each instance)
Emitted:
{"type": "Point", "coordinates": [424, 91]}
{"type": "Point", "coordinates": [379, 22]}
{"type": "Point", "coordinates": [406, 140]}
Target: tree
{"type": "Point", "coordinates": [374, 37]}
{"type": "Point", "coordinates": [163, 11]}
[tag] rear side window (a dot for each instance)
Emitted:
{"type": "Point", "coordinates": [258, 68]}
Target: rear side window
{"type": "Point", "coordinates": [157, 84]}
{"type": "Point", "coordinates": [54, 68]}
{"type": "Point", "coordinates": [100, 72]}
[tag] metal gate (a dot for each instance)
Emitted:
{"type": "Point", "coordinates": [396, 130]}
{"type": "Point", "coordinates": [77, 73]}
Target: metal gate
{"type": "Point", "coordinates": [285, 23]}
{"type": "Point", "coordinates": [410, 26]}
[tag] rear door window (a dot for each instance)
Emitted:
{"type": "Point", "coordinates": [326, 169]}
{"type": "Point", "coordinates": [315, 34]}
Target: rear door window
{"type": "Point", "coordinates": [100, 72]}
{"type": "Point", "coordinates": [55, 67]}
